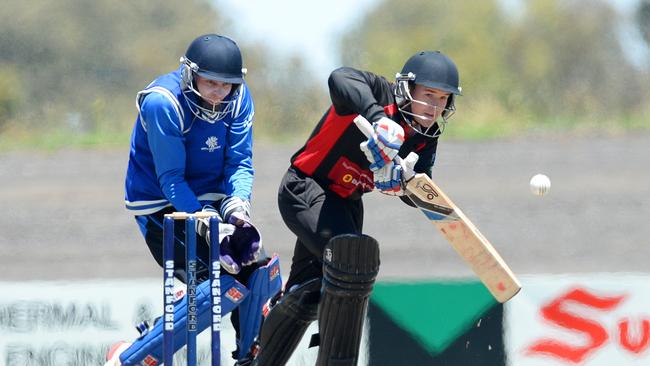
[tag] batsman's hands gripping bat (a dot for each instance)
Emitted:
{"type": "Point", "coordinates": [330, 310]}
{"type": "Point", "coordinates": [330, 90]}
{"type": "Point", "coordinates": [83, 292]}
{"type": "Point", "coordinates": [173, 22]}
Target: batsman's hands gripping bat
{"type": "Point", "coordinates": [391, 179]}
{"type": "Point", "coordinates": [461, 233]}
{"type": "Point", "coordinates": [383, 143]}
{"type": "Point", "coordinates": [390, 172]}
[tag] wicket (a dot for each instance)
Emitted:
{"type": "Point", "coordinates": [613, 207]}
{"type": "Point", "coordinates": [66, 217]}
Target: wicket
{"type": "Point", "coordinates": [190, 267]}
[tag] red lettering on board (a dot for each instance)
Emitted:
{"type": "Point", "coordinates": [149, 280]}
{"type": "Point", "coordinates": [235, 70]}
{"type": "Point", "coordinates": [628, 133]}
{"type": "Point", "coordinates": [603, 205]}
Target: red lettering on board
{"type": "Point", "coordinates": [591, 329]}
{"type": "Point", "coordinates": [641, 340]}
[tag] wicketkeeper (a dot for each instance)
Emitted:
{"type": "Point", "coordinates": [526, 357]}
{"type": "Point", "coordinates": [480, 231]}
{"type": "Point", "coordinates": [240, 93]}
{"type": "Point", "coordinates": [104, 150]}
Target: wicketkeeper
{"type": "Point", "coordinates": [191, 150]}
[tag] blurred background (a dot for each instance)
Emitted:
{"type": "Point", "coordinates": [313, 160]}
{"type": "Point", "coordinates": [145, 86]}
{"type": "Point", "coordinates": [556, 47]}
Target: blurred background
{"type": "Point", "coordinates": [554, 87]}
{"type": "Point", "coordinates": [69, 71]}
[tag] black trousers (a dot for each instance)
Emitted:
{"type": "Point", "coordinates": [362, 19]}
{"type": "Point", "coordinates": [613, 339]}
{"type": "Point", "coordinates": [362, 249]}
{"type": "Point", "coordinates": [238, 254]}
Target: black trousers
{"type": "Point", "coordinates": [314, 215]}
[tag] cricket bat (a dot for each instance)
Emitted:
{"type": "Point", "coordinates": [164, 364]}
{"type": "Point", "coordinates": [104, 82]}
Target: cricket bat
{"type": "Point", "coordinates": [461, 233]}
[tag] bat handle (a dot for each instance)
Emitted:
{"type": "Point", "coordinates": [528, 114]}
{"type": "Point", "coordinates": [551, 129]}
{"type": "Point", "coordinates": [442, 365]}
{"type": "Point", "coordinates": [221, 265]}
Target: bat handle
{"type": "Point", "coordinates": [407, 168]}
{"type": "Point", "coordinates": [364, 126]}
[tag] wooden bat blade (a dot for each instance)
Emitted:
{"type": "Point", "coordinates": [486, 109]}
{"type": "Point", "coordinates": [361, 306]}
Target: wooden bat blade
{"type": "Point", "coordinates": [464, 237]}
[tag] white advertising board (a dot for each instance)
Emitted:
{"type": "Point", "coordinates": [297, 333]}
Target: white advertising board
{"type": "Point", "coordinates": [74, 323]}
{"type": "Point", "coordinates": [586, 320]}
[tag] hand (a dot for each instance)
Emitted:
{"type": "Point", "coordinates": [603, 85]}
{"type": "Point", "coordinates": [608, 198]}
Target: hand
{"type": "Point", "coordinates": [203, 224]}
{"type": "Point", "coordinates": [383, 146]}
{"type": "Point", "coordinates": [240, 246]}
{"type": "Point", "coordinates": [389, 179]}
{"type": "Point", "coordinates": [392, 178]}
{"type": "Point", "coordinates": [235, 210]}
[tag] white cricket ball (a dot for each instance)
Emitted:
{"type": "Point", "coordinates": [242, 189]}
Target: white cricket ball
{"type": "Point", "coordinates": [540, 184]}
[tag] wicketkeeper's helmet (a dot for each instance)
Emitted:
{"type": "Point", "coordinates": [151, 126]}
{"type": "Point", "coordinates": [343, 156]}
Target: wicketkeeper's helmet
{"type": "Point", "coordinates": [213, 57]}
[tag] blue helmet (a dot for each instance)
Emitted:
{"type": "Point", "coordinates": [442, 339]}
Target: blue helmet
{"type": "Point", "coordinates": [213, 57]}
{"type": "Point", "coordinates": [431, 69]}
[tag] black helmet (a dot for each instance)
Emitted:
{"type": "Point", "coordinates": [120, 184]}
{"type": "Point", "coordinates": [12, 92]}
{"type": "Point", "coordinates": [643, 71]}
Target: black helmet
{"type": "Point", "coordinates": [213, 57]}
{"type": "Point", "coordinates": [434, 70]}
{"type": "Point", "coordinates": [431, 69]}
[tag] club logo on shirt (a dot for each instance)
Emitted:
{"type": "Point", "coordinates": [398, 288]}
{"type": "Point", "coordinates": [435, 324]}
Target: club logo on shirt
{"type": "Point", "coordinates": [213, 144]}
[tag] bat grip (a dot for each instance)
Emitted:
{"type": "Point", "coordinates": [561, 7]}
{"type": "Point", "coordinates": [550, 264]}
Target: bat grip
{"type": "Point", "coordinates": [366, 128]}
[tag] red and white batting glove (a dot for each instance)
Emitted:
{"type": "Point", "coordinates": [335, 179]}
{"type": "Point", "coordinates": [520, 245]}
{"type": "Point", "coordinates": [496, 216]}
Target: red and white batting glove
{"type": "Point", "coordinates": [392, 178]}
{"type": "Point", "coordinates": [383, 146]}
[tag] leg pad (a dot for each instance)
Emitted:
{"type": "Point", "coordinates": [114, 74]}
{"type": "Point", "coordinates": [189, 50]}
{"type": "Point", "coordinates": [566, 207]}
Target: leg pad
{"type": "Point", "coordinates": [350, 267]}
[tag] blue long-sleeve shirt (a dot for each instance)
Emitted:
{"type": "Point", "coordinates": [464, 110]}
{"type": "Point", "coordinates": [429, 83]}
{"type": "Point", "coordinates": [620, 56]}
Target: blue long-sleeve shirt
{"type": "Point", "coordinates": [181, 160]}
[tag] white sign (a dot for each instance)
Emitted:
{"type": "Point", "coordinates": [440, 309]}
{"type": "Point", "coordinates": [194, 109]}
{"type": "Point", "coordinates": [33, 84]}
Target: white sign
{"type": "Point", "coordinates": [586, 320]}
{"type": "Point", "coordinates": [75, 323]}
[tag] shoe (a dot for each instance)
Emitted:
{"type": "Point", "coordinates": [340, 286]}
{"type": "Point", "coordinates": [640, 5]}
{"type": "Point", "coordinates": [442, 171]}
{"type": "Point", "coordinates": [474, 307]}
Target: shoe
{"type": "Point", "coordinates": [113, 355]}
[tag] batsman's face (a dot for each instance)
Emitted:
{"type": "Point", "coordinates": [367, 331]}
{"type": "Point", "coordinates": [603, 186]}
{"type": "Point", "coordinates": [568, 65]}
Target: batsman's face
{"type": "Point", "coordinates": [428, 103]}
{"type": "Point", "coordinates": [212, 91]}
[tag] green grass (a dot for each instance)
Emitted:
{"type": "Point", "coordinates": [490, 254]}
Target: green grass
{"type": "Point", "coordinates": [57, 140]}
{"type": "Point", "coordinates": [466, 129]}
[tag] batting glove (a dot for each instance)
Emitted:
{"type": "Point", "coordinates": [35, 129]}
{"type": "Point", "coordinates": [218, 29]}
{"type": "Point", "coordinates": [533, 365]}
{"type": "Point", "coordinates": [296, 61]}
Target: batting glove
{"type": "Point", "coordinates": [392, 178]}
{"type": "Point", "coordinates": [389, 179]}
{"type": "Point", "coordinates": [383, 146]}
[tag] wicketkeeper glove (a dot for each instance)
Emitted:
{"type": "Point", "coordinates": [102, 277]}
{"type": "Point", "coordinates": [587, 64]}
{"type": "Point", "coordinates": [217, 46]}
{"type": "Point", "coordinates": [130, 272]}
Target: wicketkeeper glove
{"type": "Point", "coordinates": [203, 224]}
{"type": "Point", "coordinates": [383, 146]}
{"type": "Point", "coordinates": [235, 210]}
{"type": "Point", "coordinates": [239, 245]}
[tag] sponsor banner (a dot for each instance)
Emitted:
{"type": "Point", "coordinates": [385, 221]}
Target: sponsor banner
{"type": "Point", "coordinates": [590, 319]}
{"type": "Point", "coordinates": [57, 323]}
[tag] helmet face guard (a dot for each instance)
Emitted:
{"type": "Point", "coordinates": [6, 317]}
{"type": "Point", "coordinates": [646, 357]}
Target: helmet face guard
{"type": "Point", "coordinates": [433, 70]}
{"type": "Point", "coordinates": [195, 100]}
{"type": "Point", "coordinates": [405, 100]}
{"type": "Point", "coordinates": [212, 57]}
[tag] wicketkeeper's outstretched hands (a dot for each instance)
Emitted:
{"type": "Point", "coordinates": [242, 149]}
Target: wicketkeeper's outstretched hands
{"type": "Point", "coordinates": [241, 243]}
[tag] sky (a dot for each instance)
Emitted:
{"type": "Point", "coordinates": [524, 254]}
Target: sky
{"type": "Point", "coordinates": [307, 28]}
{"type": "Point", "coordinates": [312, 28]}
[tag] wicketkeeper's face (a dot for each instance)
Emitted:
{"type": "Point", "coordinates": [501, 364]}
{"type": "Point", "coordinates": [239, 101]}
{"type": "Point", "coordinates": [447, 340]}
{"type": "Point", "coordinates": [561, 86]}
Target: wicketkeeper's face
{"type": "Point", "coordinates": [428, 104]}
{"type": "Point", "coordinates": [212, 91]}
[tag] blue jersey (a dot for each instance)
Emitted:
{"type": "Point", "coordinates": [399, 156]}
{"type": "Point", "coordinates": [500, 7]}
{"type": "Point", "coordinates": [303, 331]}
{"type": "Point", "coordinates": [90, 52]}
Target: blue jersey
{"type": "Point", "coordinates": [180, 160]}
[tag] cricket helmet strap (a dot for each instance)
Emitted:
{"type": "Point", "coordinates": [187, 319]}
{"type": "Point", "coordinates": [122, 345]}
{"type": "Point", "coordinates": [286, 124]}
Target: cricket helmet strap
{"type": "Point", "coordinates": [213, 57]}
{"type": "Point", "coordinates": [431, 69]}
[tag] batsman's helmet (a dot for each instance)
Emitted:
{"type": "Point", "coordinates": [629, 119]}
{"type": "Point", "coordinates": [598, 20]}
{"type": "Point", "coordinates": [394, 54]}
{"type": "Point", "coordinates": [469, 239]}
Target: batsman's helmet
{"type": "Point", "coordinates": [431, 69]}
{"type": "Point", "coordinates": [213, 57]}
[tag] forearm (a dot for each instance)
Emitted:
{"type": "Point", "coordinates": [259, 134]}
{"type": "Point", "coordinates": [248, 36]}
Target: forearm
{"type": "Point", "coordinates": [180, 195]}
{"type": "Point", "coordinates": [238, 164]}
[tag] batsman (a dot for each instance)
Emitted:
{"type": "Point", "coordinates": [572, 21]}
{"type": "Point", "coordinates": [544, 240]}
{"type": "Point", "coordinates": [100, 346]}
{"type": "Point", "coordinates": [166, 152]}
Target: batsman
{"type": "Point", "coordinates": [334, 265]}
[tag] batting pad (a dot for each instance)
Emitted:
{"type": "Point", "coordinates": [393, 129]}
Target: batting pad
{"type": "Point", "coordinates": [350, 266]}
{"type": "Point", "coordinates": [264, 283]}
{"type": "Point", "coordinates": [148, 348]}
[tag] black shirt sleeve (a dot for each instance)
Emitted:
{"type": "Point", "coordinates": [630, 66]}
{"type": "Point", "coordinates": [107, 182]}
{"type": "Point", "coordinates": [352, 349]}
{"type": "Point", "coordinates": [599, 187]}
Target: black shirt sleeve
{"type": "Point", "coordinates": [353, 91]}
